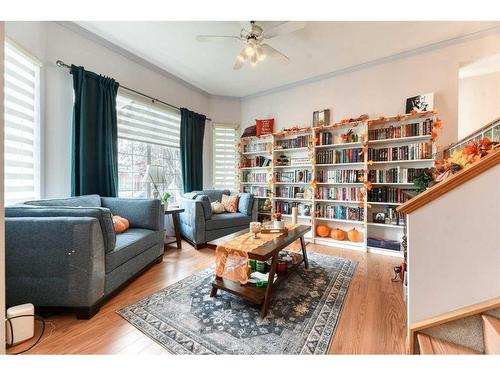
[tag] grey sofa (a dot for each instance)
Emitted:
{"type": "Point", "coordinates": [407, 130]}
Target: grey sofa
{"type": "Point", "coordinates": [199, 225]}
{"type": "Point", "coordinates": [64, 253]}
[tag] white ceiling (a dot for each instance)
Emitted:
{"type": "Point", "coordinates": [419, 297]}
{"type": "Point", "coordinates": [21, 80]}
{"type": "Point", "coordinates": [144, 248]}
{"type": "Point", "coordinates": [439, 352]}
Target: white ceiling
{"type": "Point", "coordinates": [318, 49]}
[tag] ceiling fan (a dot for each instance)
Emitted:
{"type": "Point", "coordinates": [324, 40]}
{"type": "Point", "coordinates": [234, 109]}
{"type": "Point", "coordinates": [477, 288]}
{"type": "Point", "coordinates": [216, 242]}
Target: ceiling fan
{"type": "Point", "coordinates": [253, 36]}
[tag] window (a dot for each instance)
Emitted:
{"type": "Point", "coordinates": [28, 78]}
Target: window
{"type": "Point", "coordinates": [224, 156]}
{"type": "Point", "coordinates": [22, 125]}
{"type": "Point", "coordinates": [148, 134]}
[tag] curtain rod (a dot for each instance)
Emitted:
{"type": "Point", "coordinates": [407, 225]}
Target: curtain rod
{"type": "Point", "coordinates": [61, 64]}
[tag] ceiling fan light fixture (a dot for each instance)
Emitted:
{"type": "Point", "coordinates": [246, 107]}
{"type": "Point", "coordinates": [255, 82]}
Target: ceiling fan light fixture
{"type": "Point", "coordinates": [254, 59]}
{"type": "Point", "coordinates": [260, 53]}
{"type": "Point", "coordinates": [241, 57]}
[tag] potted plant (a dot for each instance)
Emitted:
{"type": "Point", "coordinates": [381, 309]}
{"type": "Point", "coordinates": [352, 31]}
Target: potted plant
{"type": "Point", "coordinates": [165, 197]}
{"type": "Point", "coordinates": [278, 223]}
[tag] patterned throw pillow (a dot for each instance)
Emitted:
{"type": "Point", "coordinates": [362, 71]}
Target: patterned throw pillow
{"type": "Point", "coordinates": [230, 202]}
{"type": "Point", "coordinates": [217, 207]}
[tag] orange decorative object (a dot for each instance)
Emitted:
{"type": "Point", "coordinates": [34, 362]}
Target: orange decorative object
{"type": "Point", "coordinates": [322, 230]}
{"type": "Point", "coordinates": [413, 112]}
{"type": "Point", "coordinates": [337, 234]}
{"type": "Point", "coordinates": [354, 235]}
{"type": "Point", "coordinates": [119, 224]}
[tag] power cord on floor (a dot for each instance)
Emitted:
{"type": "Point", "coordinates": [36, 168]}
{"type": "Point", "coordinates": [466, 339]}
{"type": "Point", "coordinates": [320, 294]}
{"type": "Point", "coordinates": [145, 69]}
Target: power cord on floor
{"type": "Point", "coordinates": [39, 318]}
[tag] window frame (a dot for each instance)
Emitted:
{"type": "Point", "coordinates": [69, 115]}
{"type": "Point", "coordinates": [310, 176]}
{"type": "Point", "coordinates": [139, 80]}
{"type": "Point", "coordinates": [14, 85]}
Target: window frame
{"type": "Point", "coordinates": [235, 127]}
{"type": "Point", "coordinates": [37, 118]}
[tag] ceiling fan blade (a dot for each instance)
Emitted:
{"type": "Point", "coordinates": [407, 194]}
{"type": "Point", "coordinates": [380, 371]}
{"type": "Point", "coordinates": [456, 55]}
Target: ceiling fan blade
{"type": "Point", "coordinates": [217, 38]}
{"type": "Point", "coordinates": [275, 54]}
{"type": "Point", "coordinates": [246, 25]}
{"type": "Point", "coordinates": [240, 60]}
{"type": "Point", "coordinates": [284, 28]}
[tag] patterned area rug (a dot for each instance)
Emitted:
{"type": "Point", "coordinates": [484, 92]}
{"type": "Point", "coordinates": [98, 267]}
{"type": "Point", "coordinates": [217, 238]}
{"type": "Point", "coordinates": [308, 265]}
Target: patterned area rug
{"type": "Point", "coordinates": [302, 318]}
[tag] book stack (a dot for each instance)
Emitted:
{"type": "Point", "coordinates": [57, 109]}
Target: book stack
{"type": "Point", "coordinates": [339, 212]}
{"type": "Point", "coordinates": [300, 141]}
{"type": "Point", "coordinates": [290, 192]}
{"type": "Point", "coordinates": [351, 155]}
{"type": "Point", "coordinates": [394, 175]}
{"type": "Point", "coordinates": [258, 191]}
{"type": "Point", "coordinates": [339, 176]}
{"type": "Point", "coordinates": [303, 175]}
{"type": "Point", "coordinates": [402, 131]}
{"type": "Point", "coordinates": [325, 138]}
{"type": "Point", "coordinates": [253, 177]}
{"type": "Point", "coordinates": [389, 194]}
{"type": "Point", "coordinates": [390, 216]}
{"type": "Point", "coordinates": [414, 151]}
{"type": "Point", "coordinates": [258, 161]}
{"type": "Point", "coordinates": [286, 208]}
{"type": "Point", "coordinates": [339, 193]}
{"type": "Point", "coordinates": [256, 147]}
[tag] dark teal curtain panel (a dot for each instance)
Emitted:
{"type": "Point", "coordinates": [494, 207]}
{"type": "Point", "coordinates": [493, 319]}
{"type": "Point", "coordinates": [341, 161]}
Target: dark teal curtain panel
{"type": "Point", "coordinates": [192, 131]}
{"type": "Point", "coordinates": [94, 149]}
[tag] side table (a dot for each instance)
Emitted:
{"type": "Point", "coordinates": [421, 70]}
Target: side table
{"type": "Point", "coordinates": [175, 211]}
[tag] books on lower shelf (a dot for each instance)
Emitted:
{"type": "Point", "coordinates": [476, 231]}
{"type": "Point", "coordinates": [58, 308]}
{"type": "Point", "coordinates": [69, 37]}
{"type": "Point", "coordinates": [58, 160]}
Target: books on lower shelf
{"type": "Point", "coordinates": [304, 209]}
{"type": "Point", "coordinates": [415, 151]}
{"type": "Point", "coordinates": [384, 244]}
{"type": "Point", "coordinates": [339, 175]}
{"type": "Point", "coordinates": [338, 193]}
{"type": "Point", "coordinates": [389, 194]}
{"type": "Point", "coordinates": [292, 192]}
{"type": "Point", "coordinates": [394, 175]}
{"type": "Point", "coordinates": [402, 131]}
{"type": "Point", "coordinates": [339, 212]}
{"type": "Point", "coordinates": [351, 155]}
{"type": "Point", "coordinates": [258, 191]}
{"type": "Point", "coordinates": [390, 216]}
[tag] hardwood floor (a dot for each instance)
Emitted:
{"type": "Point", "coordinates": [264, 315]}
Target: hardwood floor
{"type": "Point", "coordinates": [372, 322]}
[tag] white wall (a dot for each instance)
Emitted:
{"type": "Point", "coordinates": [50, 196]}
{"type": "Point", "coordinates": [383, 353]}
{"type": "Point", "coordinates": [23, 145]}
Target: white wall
{"type": "Point", "coordinates": [2, 215]}
{"type": "Point", "coordinates": [479, 102]}
{"type": "Point", "coordinates": [49, 42]}
{"type": "Point", "coordinates": [376, 90]}
{"type": "Point", "coordinates": [454, 249]}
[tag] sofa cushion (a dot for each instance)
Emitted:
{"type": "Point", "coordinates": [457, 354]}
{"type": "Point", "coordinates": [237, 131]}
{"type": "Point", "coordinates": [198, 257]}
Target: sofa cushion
{"type": "Point", "coordinates": [130, 244]}
{"type": "Point", "coordinates": [245, 203]}
{"type": "Point", "coordinates": [213, 195]}
{"type": "Point", "coordinates": [227, 220]}
{"type": "Point", "coordinates": [93, 200]}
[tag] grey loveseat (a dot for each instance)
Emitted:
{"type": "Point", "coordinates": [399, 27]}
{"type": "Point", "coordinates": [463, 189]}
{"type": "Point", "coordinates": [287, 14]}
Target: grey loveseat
{"type": "Point", "coordinates": [64, 253]}
{"type": "Point", "coordinates": [199, 225]}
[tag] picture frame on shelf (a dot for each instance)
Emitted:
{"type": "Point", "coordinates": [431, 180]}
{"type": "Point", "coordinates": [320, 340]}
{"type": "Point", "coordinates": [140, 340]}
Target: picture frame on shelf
{"type": "Point", "coordinates": [420, 103]}
{"type": "Point", "coordinates": [321, 118]}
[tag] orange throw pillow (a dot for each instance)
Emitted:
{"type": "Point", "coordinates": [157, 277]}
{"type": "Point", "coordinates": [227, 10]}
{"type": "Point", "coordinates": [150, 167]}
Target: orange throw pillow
{"type": "Point", "coordinates": [230, 202]}
{"type": "Point", "coordinates": [121, 224]}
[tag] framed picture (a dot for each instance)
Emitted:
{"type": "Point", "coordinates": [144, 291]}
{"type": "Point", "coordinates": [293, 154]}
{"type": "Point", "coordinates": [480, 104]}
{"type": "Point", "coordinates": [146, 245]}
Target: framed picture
{"type": "Point", "coordinates": [420, 103]}
{"type": "Point", "coordinates": [321, 118]}
{"type": "Point", "coordinates": [379, 217]}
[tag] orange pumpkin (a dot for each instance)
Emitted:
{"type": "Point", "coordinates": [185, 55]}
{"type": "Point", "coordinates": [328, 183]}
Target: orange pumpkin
{"type": "Point", "coordinates": [124, 221]}
{"type": "Point", "coordinates": [354, 235]}
{"type": "Point", "coordinates": [338, 234]}
{"type": "Point", "coordinates": [121, 224]}
{"type": "Point", "coordinates": [322, 230]}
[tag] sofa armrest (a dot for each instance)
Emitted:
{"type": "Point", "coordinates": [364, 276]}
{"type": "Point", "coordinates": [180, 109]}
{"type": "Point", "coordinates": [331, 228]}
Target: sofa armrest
{"type": "Point", "coordinates": [255, 210]}
{"type": "Point", "coordinates": [192, 220]}
{"type": "Point", "coordinates": [141, 213]}
{"type": "Point", "coordinates": [103, 215]}
{"type": "Point", "coordinates": [54, 261]}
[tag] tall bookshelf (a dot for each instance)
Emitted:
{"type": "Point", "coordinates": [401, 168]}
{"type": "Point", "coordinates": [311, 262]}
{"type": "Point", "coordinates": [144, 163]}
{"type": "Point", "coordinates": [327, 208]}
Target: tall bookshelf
{"type": "Point", "coordinates": [321, 172]}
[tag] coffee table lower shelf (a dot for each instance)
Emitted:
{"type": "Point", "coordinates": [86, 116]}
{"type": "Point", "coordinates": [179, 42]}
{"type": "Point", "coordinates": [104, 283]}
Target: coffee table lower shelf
{"type": "Point", "coordinates": [249, 291]}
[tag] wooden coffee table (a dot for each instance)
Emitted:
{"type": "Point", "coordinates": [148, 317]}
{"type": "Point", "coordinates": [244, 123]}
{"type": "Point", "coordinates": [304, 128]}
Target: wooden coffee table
{"type": "Point", "coordinates": [269, 250]}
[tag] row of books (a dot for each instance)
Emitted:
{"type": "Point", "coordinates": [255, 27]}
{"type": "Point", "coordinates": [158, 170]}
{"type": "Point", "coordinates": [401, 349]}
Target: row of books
{"type": "Point", "coordinates": [389, 216]}
{"type": "Point", "coordinates": [339, 193]}
{"type": "Point", "coordinates": [352, 155]}
{"type": "Point", "coordinates": [300, 141]}
{"type": "Point", "coordinates": [259, 191]}
{"type": "Point", "coordinates": [256, 147]}
{"type": "Point", "coordinates": [394, 175]}
{"type": "Point", "coordinates": [248, 176]}
{"type": "Point", "coordinates": [328, 138]}
{"type": "Point", "coordinates": [389, 194]}
{"type": "Point", "coordinates": [285, 208]}
{"type": "Point", "coordinates": [402, 131]}
{"type": "Point", "coordinates": [290, 192]}
{"type": "Point", "coordinates": [339, 212]}
{"type": "Point", "coordinates": [414, 151]}
{"type": "Point", "coordinates": [302, 175]}
{"type": "Point", "coordinates": [339, 175]}
{"type": "Point", "coordinates": [258, 161]}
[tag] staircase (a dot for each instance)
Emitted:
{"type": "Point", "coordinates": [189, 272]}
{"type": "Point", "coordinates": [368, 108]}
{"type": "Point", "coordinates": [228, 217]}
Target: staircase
{"type": "Point", "coordinates": [474, 329]}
